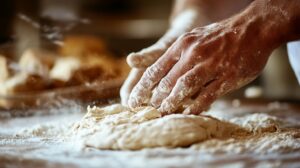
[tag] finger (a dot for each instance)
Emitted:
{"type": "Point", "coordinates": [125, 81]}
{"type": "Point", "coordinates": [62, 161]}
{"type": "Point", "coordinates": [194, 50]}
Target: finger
{"type": "Point", "coordinates": [148, 56]}
{"type": "Point", "coordinates": [132, 79]}
{"type": "Point", "coordinates": [141, 93]}
{"type": "Point", "coordinates": [206, 97]}
{"type": "Point", "coordinates": [186, 86]}
{"type": "Point", "coordinates": [166, 85]}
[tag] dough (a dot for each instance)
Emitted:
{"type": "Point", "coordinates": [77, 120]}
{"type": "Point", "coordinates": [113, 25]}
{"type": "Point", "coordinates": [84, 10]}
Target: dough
{"type": "Point", "coordinates": [4, 71]}
{"type": "Point", "coordinates": [116, 127]}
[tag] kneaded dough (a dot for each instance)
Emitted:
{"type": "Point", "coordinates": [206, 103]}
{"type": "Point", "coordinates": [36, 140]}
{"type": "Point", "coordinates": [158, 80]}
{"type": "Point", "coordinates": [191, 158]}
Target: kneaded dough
{"type": "Point", "coordinates": [119, 128]}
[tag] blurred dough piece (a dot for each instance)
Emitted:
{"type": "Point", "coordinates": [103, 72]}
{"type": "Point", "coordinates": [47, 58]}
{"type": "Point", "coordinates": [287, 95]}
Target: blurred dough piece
{"type": "Point", "coordinates": [116, 127]}
{"type": "Point", "coordinates": [22, 83]}
{"type": "Point", "coordinates": [64, 68]}
{"type": "Point", "coordinates": [4, 72]}
{"type": "Point", "coordinates": [82, 46]}
{"type": "Point", "coordinates": [36, 62]}
{"type": "Point", "coordinates": [32, 73]}
{"type": "Point", "coordinates": [81, 61]}
{"type": "Point", "coordinates": [97, 63]}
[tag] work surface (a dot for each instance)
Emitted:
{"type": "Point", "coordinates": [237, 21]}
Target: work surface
{"type": "Point", "coordinates": [34, 151]}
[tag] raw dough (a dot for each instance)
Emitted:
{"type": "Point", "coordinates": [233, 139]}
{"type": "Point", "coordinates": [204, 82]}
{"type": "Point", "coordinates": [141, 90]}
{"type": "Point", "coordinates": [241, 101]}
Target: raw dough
{"type": "Point", "coordinates": [116, 127]}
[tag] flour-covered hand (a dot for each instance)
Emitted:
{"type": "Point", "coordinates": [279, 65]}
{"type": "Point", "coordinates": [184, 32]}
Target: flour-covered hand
{"type": "Point", "coordinates": [182, 22]}
{"type": "Point", "coordinates": [211, 61]}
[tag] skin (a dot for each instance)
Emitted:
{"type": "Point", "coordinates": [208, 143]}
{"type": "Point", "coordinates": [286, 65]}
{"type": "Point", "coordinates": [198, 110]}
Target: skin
{"type": "Point", "coordinates": [208, 62]}
{"type": "Point", "coordinates": [205, 12]}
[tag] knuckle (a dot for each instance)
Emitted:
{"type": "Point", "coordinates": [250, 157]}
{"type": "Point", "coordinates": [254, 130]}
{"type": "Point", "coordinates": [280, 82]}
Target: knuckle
{"type": "Point", "coordinates": [188, 37]}
{"type": "Point", "coordinates": [151, 72]}
{"type": "Point", "coordinates": [186, 81]}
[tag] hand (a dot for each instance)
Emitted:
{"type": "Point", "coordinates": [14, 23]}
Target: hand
{"type": "Point", "coordinates": [211, 61]}
{"type": "Point", "coordinates": [182, 22]}
{"type": "Point", "coordinates": [203, 65]}
{"type": "Point", "coordinates": [186, 15]}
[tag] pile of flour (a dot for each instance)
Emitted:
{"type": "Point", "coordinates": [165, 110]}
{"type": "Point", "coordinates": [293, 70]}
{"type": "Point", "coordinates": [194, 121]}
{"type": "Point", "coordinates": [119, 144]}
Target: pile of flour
{"type": "Point", "coordinates": [116, 127]}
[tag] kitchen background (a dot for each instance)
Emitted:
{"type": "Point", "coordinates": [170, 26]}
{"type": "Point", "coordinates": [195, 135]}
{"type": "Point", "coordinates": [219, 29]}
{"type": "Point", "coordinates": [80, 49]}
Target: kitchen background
{"type": "Point", "coordinates": [125, 25]}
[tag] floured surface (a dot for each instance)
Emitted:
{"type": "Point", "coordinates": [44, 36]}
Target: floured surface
{"type": "Point", "coordinates": [270, 139]}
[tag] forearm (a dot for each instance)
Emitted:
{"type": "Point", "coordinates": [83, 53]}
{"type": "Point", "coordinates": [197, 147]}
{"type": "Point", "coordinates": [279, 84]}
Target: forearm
{"type": "Point", "coordinates": [274, 22]}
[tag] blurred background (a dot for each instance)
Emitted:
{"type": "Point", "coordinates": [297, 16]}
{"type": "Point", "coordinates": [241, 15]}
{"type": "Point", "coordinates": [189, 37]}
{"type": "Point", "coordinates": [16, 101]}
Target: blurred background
{"type": "Point", "coordinates": [125, 26]}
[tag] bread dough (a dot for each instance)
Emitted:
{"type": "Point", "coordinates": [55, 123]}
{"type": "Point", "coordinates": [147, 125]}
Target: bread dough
{"type": "Point", "coordinates": [116, 127]}
{"type": "Point", "coordinates": [48, 138]}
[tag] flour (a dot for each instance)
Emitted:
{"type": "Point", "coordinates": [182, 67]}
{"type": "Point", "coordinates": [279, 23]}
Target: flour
{"type": "Point", "coordinates": [116, 127]}
{"type": "Point", "coordinates": [264, 143]}
{"type": "Point", "coordinates": [257, 123]}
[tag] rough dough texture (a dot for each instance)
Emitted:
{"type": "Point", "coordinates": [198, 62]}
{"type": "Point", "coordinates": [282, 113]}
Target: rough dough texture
{"type": "Point", "coordinates": [116, 127]}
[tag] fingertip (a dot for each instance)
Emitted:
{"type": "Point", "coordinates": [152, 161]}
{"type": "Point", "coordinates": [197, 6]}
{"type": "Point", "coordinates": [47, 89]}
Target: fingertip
{"type": "Point", "coordinates": [137, 98]}
{"type": "Point", "coordinates": [162, 112]}
{"type": "Point", "coordinates": [133, 59]}
{"type": "Point", "coordinates": [132, 103]}
{"type": "Point", "coordinates": [194, 110]}
{"type": "Point", "coordinates": [133, 100]}
{"type": "Point", "coordinates": [157, 98]}
{"type": "Point", "coordinates": [167, 107]}
{"type": "Point", "coordinates": [145, 57]}
{"type": "Point", "coordinates": [140, 60]}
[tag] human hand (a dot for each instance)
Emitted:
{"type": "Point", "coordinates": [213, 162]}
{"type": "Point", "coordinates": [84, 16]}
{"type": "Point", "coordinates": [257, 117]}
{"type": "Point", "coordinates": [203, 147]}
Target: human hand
{"type": "Point", "coordinates": [201, 66]}
{"type": "Point", "coordinates": [182, 22]}
{"type": "Point", "coordinates": [211, 61]}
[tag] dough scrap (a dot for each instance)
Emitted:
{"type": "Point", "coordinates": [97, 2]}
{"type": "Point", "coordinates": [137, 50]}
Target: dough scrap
{"type": "Point", "coordinates": [119, 128]}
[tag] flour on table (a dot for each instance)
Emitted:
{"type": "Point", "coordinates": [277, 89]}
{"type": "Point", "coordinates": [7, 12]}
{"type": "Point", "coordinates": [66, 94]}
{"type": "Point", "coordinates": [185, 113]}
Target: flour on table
{"type": "Point", "coordinates": [116, 127]}
{"type": "Point", "coordinates": [264, 143]}
{"type": "Point", "coordinates": [257, 122]}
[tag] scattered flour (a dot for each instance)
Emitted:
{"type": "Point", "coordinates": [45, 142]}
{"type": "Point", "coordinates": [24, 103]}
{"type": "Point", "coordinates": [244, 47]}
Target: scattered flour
{"type": "Point", "coordinates": [116, 127]}
{"type": "Point", "coordinates": [264, 143]}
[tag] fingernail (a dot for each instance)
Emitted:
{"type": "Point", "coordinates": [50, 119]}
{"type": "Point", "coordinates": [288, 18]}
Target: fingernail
{"type": "Point", "coordinates": [133, 102]}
